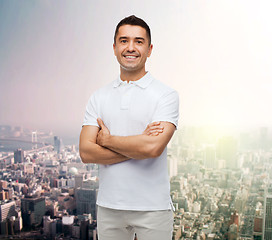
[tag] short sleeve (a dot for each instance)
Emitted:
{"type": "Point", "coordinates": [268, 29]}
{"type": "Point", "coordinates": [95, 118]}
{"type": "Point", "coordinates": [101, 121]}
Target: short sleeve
{"type": "Point", "coordinates": [167, 108]}
{"type": "Point", "coordinates": [91, 114]}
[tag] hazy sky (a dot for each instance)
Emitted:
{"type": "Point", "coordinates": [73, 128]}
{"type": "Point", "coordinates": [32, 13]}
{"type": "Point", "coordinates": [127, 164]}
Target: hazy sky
{"type": "Point", "coordinates": [54, 54]}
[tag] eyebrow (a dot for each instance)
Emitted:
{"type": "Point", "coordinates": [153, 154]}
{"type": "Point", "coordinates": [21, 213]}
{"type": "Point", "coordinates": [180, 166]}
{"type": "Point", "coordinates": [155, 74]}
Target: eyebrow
{"type": "Point", "coordinates": [137, 38]}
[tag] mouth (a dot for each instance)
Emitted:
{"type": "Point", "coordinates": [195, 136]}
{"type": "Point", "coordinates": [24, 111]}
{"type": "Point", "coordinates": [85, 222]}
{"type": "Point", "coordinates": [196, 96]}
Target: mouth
{"type": "Point", "coordinates": [132, 57]}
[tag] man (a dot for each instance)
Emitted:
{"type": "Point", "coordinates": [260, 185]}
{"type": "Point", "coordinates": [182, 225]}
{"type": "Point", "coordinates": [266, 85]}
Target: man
{"type": "Point", "coordinates": [126, 129]}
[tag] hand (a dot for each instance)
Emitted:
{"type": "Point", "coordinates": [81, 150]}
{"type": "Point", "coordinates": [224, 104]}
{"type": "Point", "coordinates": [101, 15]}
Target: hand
{"type": "Point", "coordinates": [153, 129]}
{"type": "Point", "coordinates": [103, 134]}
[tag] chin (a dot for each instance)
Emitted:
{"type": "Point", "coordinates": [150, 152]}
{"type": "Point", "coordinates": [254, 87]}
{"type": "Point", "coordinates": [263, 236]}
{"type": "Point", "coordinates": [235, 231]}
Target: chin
{"type": "Point", "coordinates": [129, 68]}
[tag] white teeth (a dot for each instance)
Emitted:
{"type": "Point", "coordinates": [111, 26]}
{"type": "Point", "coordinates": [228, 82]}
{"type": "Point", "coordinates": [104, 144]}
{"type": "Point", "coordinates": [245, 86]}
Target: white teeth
{"type": "Point", "coordinates": [130, 56]}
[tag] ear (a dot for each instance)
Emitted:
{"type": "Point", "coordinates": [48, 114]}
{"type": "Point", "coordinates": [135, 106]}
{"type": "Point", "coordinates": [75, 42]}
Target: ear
{"type": "Point", "coordinates": [114, 49]}
{"type": "Point", "coordinates": [150, 50]}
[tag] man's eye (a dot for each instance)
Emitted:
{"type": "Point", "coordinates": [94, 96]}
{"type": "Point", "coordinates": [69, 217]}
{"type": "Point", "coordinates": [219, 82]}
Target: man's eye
{"type": "Point", "coordinates": [123, 41]}
{"type": "Point", "coordinates": [139, 42]}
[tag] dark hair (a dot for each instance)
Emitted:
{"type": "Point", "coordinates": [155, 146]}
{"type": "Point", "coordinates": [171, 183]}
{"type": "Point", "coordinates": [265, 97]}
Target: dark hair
{"type": "Point", "coordinates": [135, 21]}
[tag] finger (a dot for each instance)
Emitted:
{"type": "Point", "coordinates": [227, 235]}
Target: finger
{"type": "Point", "coordinates": [156, 127]}
{"type": "Point", "coordinates": [100, 122]}
{"type": "Point", "coordinates": [154, 124]}
{"type": "Point", "coordinates": [150, 133]}
{"type": "Point", "coordinates": [156, 131]}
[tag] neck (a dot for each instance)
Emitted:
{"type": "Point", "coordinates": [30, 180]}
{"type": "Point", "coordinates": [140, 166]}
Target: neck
{"type": "Point", "coordinates": [131, 75]}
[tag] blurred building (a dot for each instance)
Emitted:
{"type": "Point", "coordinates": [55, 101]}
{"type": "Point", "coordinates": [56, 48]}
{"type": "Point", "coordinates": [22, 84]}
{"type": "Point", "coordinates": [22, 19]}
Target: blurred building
{"type": "Point", "coordinates": [7, 210]}
{"type": "Point", "coordinates": [227, 149]}
{"type": "Point", "coordinates": [267, 220]}
{"type": "Point", "coordinates": [18, 156]}
{"type": "Point", "coordinates": [78, 180]}
{"type": "Point", "coordinates": [33, 210]}
{"type": "Point", "coordinates": [57, 144]}
{"type": "Point", "coordinates": [3, 184]}
{"type": "Point", "coordinates": [233, 232]}
{"type": "Point", "coordinates": [67, 225]}
{"type": "Point", "coordinates": [5, 194]}
{"type": "Point", "coordinates": [8, 215]}
{"type": "Point", "coordinates": [86, 201]}
{"type": "Point", "coordinates": [234, 219]}
{"type": "Point", "coordinates": [257, 228]}
{"type": "Point", "coordinates": [66, 202]}
{"type": "Point", "coordinates": [210, 157]}
{"type": "Point", "coordinates": [172, 166]}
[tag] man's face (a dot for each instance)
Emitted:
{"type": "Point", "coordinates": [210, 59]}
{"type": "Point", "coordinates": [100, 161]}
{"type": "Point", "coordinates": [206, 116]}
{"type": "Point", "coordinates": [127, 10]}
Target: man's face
{"type": "Point", "coordinates": [132, 48]}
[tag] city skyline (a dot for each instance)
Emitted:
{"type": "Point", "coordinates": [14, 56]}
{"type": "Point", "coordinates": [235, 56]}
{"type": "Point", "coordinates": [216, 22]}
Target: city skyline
{"type": "Point", "coordinates": [218, 186]}
{"type": "Point", "coordinates": [217, 55]}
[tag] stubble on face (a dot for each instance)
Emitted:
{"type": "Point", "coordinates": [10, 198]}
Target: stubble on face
{"type": "Point", "coordinates": [132, 50]}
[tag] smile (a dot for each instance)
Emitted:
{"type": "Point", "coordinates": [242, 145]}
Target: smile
{"type": "Point", "coordinates": [130, 57]}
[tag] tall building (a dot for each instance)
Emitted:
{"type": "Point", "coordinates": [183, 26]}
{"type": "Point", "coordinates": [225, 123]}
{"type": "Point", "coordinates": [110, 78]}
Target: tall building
{"type": "Point", "coordinates": [234, 219]}
{"type": "Point", "coordinates": [267, 219]}
{"type": "Point", "coordinates": [18, 156]}
{"type": "Point", "coordinates": [233, 232]}
{"type": "Point", "coordinates": [210, 157]}
{"type": "Point", "coordinates": [78, 180]}
{"type": "Point", "coordinates": [172, 166]}
{"type": "Point", "coordinates": [257, 229]}
{"type": "Point", "coordinates": [227, 149]}
{"type": "Point", "coordinates": [7, 210]}
{"type": "Point", "coordinates": [175, 145]}
{"type": "Point", "coordinates": [86, 201]}
{"type": "Point", "coordinates": [57, 144]}
{"type": "Point", "coordinates": [8, 215]}
{"type": "Point", "coordinates": [33, 210]}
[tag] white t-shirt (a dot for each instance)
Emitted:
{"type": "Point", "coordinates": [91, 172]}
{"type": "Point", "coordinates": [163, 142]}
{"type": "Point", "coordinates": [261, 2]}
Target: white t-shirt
{"type": "Point", "coordinates": [126, 109]}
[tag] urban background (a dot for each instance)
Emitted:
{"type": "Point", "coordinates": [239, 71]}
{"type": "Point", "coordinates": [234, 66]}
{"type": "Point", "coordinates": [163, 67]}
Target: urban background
{"type": "Point", "coordinates": [220, 185]}
{"type": "Point", "coordinates": [216, 54]}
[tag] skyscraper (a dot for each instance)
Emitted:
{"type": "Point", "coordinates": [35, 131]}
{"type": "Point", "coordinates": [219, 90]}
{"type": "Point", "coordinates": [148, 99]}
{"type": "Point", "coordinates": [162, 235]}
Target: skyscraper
{"type": "Point", "coordinates": [18, 156]}
{"type": "Point", "coordinates": [57, 144]}
{"type": "Point", "coordinates": [7, 209]}
{"type": "Point", "coordinates": [210, 157]}
{"type": "Point", "coordinates": [267, 219]}
{"type": "Point", "coordinates": [7, 212]}
{"type": "Point", "coordinates": [78, 180]}
{"type": "Point", "coordinates": [86, 201]}
{"type": "Point", "coordinates": [33, 210]}
{"type": "Point", "coordinates": [172, 166]}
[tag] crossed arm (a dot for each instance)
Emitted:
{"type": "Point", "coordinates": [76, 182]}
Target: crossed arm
{"type": "Point", "coordinates": [99, 146]}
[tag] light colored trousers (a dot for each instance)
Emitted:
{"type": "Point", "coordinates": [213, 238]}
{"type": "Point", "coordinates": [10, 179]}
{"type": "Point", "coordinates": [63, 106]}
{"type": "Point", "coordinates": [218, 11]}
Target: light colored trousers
{"type": "Point", "coordinates": [122, 224]}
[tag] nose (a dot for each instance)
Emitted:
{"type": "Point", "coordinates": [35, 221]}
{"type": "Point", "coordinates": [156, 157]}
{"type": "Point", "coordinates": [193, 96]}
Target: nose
{"type": "Point", "coordinates": [131, 46]}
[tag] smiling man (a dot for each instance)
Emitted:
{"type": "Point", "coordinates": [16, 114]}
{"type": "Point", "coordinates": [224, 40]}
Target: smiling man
{"type": "Point", "coordinates": [126, 129]}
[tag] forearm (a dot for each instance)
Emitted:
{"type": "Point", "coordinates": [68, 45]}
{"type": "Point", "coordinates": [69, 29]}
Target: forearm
{"type": "Point", "coordinates": [93, 153]}
{"type": "Point", "coordinates": [140, 146]}
{"type": "Point", "coordinates": [137, 147]}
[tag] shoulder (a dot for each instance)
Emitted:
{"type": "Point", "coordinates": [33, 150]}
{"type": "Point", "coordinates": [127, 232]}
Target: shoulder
{"type": "Point", "coordinates": [161, 89]}
{"type": "Point", "coordinates": [100, 93]}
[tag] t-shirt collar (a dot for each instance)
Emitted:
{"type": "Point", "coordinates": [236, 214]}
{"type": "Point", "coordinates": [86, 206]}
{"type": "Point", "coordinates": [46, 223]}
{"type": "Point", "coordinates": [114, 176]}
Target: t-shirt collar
{"type": "Point", "coordinates": [142, 82]}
